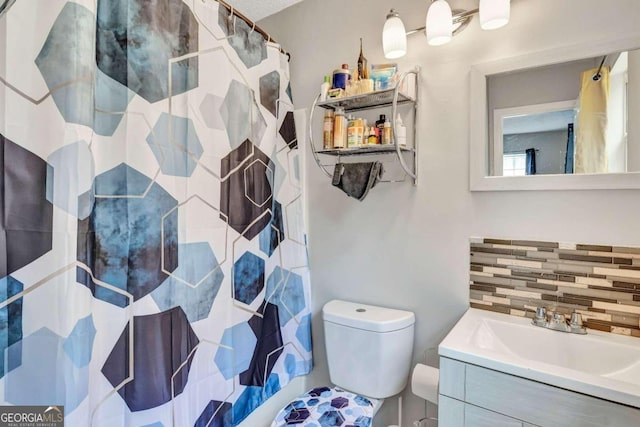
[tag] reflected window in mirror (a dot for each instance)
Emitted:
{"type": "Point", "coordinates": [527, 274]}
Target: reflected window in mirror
{"type": "Point", "coordinates": [514, 164]}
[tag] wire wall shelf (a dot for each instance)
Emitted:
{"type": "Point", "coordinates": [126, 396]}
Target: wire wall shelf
{"type": "Point", "coordinates": [368, 149]}
{"type": "Point", "coordinates": [406, 156]}
{"type": "Point", "coordinates": [366, 101]}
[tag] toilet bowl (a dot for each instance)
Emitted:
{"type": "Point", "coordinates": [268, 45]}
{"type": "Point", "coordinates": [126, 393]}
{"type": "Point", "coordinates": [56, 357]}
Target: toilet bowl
{"type": "Point", "coordinates": [369, 357]}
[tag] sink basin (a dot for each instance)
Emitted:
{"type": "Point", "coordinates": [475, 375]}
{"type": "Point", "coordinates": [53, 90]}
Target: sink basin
{"type": "Point", "coordinates": [598, 364]}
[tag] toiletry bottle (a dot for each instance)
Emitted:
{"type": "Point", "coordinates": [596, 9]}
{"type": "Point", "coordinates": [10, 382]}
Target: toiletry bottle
{"type": "Point", "coordinates": [339, 129]}
{"type": "Point", "coordinates": [363, 72]}
{"type": "Point", "coordinates": [340, 77]}
{"type": "Point", "coordinates": [380, 126]}
{"type": "Point", "coordinates": [401, 132]}
{"type": "Point", "coordinates": [327, 135]}
{"type": "Point", "coordinates": [365, 132]}
{"type": "Point", "coordinates": [352, 133]}
{"type": "Point", "coordinates": [324, 88]}
{"type": "Point", "coordinates": [386, 133]}
{"type": "Point", "coordinates": [360, 132]}
{"type": "Point", "coordinates": [373, 139]}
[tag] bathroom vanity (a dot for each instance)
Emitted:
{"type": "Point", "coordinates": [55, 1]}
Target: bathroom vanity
{"type": "Point", "coordinates": [499, 370]}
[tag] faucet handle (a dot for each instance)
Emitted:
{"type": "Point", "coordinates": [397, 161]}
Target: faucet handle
{"type": "Point", "coordinates": [575, 324]}
{"type": "Point", "coordinates": [576, 320]}
{"type": "Point", "coordinates": [540, 318]}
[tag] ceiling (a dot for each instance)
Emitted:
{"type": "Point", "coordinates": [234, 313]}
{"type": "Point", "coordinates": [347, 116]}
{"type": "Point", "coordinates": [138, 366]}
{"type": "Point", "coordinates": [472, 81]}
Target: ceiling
{"type": "Point", "coordinates": [257, 10]}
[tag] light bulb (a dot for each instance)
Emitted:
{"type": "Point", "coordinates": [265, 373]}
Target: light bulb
{"type": "Point", "coordinates": [439, 23]}
{"type": "Point", "coordinates": [494, 13]}
{"type": "Point", "coordinates": [394, 37]}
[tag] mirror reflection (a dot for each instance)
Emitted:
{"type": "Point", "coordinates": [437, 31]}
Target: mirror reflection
{"type": "Point", "coordinates": [567, 118]}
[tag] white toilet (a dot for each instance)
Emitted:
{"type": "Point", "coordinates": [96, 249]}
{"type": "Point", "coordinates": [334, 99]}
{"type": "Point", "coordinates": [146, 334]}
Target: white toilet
{"type": "Point", "coordinates": [369, 356]}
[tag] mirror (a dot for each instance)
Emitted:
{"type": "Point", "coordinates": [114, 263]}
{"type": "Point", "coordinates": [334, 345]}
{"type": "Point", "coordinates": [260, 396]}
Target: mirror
{"type": "Point", "coordinates": [558, 119]}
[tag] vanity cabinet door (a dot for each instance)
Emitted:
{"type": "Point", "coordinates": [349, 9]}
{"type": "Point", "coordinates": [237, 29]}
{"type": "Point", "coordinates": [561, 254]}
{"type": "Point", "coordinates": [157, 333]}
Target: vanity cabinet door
{"type": "Point", "coordinates": [452, 377]}
{"type": "Point", "coordinates": [542, 404]}
{"type": "Point", "coordinates": [454, 413]}
{"type": "Point", "coordinates": [473, 396]}
{"type": "Point", "coordinates": [478, 417]}
{"type": "Point", "coordinates": [450, 412]}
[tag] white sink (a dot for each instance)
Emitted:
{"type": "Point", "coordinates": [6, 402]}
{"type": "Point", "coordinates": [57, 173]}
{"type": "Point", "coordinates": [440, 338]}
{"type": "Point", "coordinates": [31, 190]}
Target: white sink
{"type": "Point", "coordinates": [598, 364]}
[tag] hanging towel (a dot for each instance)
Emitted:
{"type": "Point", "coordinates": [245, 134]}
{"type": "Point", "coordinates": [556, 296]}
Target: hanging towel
{"type": "Point", "coordinates": [356, 179]}
{"type": "Point", "coordinates": [590, 146]}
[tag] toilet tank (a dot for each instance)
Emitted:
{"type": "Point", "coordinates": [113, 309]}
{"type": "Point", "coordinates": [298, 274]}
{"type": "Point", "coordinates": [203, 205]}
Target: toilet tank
{"type": "Point", "coordinates": [368, 347]}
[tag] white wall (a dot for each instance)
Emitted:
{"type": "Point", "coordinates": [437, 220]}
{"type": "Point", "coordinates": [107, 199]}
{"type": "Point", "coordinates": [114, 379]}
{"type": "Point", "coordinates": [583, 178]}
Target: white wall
{"type": "Point", "coordinates": [408, 247]}
{"type": "Point", "coordinates": [633, 110]}
{"type": "Point", "coordinates": [616, 137]}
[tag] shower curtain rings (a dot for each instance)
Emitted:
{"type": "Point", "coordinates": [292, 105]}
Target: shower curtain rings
{"type": "Point", "coordinates": [233, 16]}
{"type": "Point", "coordinates": [252, 28]}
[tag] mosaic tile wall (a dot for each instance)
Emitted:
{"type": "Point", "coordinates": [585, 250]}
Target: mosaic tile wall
{"type": "Point", "coordinates": [516, 276]}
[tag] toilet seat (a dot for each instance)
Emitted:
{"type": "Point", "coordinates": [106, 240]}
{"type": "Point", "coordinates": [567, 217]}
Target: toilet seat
{"type": "Point", "coordinates": [326, 407]}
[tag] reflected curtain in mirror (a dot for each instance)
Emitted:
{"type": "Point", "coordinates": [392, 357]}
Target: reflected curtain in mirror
{"type": "Point", "coordinates": [531, 161]}
{"type": "Point", "coordinates": [568, 161]}
{"type": "Point", "coordinates": [590, 150]}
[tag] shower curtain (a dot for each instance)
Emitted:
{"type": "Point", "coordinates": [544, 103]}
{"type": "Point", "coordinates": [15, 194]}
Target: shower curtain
{"type": "Point", "coordinates": [568, 158]}
{"type": "Point", "coordinates": [591, 133]}
{"type": "Point", "coordinates": [153, 267]}
{"type": "Point", "coordinates": [530, 168]}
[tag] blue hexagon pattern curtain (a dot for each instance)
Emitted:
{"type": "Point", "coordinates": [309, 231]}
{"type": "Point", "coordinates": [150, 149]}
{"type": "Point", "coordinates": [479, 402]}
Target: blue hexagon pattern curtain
{"type": "Point", "coordinates": [153, 262]}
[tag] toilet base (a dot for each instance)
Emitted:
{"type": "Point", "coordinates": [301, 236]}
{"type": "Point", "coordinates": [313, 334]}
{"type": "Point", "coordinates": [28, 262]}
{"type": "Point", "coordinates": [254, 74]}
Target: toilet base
{"type": "Point", "coordinates": [326, 406]}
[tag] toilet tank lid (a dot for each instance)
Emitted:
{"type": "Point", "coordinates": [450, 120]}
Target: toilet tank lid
{"type": "Point", "coordinates": [366, 317]}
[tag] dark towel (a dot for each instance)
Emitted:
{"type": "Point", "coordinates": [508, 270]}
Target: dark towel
{"type": "Point", "coordinates": [356, 179]}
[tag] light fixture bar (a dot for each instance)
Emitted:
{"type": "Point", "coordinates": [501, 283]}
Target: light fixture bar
{"type": "Point", "coordinates": [462, 17]}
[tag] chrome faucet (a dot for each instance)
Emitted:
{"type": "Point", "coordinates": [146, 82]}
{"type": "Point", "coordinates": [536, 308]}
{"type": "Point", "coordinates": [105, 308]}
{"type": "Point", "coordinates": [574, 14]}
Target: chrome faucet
{"type": "Point", "coordinates": [557, 322]}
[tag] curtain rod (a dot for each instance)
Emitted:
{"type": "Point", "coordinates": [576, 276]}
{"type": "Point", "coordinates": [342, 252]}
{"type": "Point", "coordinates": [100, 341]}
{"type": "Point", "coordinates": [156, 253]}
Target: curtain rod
{"type": "Point", "coordinates": [253, 26]}
{"type": "Point", "coordinates": [597, 76]}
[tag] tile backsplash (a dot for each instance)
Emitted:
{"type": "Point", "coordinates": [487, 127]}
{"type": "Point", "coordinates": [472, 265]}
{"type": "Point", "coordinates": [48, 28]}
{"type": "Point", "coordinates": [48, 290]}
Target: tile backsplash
{"type": "Point", "coordinates": [516, 276]}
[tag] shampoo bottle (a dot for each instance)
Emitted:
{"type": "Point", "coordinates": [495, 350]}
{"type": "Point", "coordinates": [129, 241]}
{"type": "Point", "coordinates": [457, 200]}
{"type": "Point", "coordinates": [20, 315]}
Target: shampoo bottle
{"type": "Point", "coordinates": [324, 88]}
{"type": "Point", "coordinates": [352, 133]}
{"type": "Point", "coordinates": [380, 127]}
{"type": "Point", "coordinates": [327, 134]}
{"type": "Point", "coordinates": [372, 138]}
{"type": "Point", "coordinates": [339, 129]}
{"type": "Point", "coordinates": [386, 133]}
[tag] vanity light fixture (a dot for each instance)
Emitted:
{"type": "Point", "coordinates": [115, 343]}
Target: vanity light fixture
{"type": "Point", "coordinates": [442, 24]}
{"type": "Point", "coordinates": [439, 24]}
{"type": "Point", "coordinates": [494, 14]}
{"type": "Point", "coordinates": [394, 38]}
